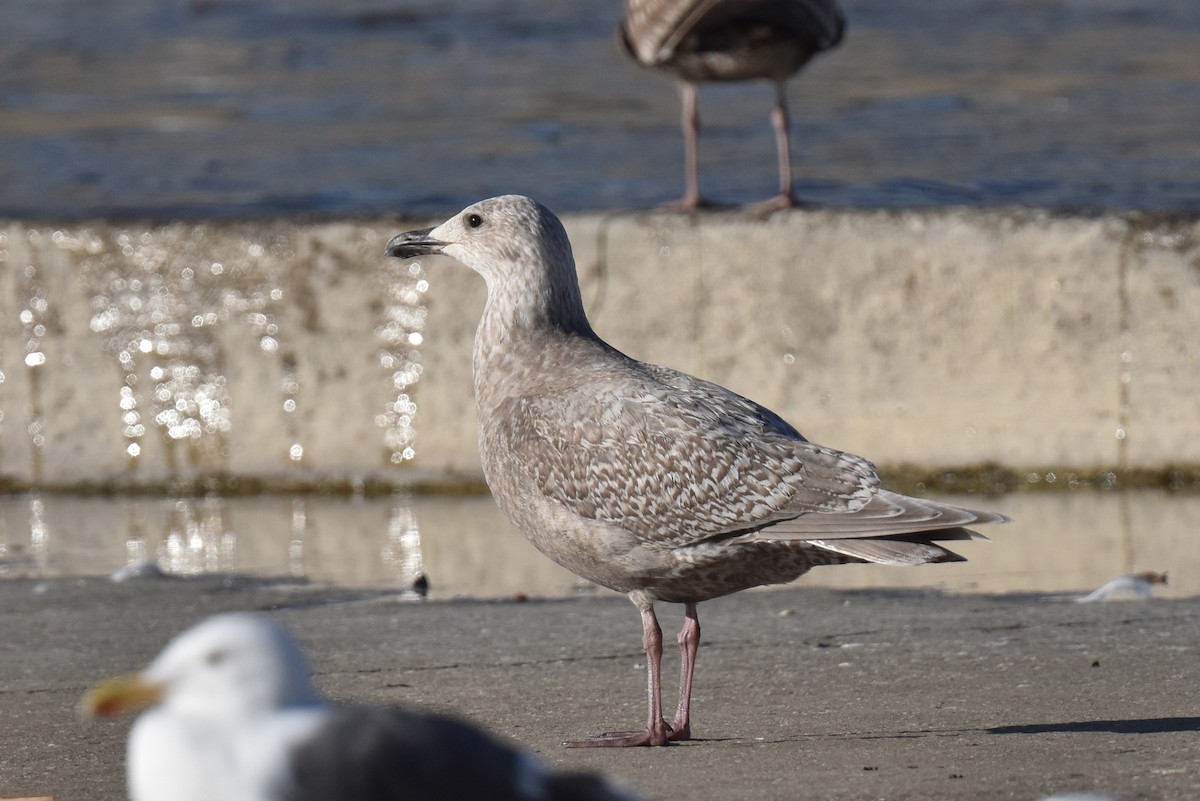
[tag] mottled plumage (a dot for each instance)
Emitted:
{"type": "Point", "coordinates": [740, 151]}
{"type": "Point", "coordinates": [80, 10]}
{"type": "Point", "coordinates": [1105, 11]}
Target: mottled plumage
{"type": "Point", "coordinates": [643, 479]}
{"type": "Point", "coordinates": [731, 40]}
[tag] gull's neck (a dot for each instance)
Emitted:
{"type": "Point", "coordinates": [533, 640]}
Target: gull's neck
{"type": "Point", "coordinates": [529, 307]}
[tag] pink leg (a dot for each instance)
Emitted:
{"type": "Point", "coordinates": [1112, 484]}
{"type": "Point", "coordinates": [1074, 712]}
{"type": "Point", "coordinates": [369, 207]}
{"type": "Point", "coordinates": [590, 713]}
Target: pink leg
{"type": "Point", "coordinates": [689, 643]}
{"type": "Point", "coordinates": [657, 732]}
{"type": "Point", "coordinates": [781, 122]}
{"type": "Point", "coordinates": [690, 123]}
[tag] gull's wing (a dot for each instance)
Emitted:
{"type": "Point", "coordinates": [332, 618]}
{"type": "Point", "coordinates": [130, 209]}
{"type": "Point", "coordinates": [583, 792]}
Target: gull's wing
{"type": "Point", "coordinates": [365, 753]}
{"type": "Point", "coordinates": [653, 29]}
{"type": "Point", "coordinates": [672, 459]}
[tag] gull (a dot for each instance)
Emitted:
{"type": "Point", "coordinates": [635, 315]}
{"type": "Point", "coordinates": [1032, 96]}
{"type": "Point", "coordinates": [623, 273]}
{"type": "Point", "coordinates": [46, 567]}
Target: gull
{"type": "Point", "coordinates": [232, 715]}
{"type": "Point", "coordinates": [1135, 586]}
{"type": "Point", "coordinates": [643, 479]}
{"type": "Point", "coordinates": [731, 40]}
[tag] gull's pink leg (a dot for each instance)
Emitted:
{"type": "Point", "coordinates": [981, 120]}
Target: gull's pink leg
{"type": "Point", "coordinates": [657, 732]}
{"type": "Point", "coordinates": [690, 123]}
{"type": "Point", "coordinates": [689, 643]}
{"type": "Point", "coordinates": [781, 122]}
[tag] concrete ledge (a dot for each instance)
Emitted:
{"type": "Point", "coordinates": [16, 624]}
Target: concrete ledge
{"type": "Point", "coordinates": [927, 338]}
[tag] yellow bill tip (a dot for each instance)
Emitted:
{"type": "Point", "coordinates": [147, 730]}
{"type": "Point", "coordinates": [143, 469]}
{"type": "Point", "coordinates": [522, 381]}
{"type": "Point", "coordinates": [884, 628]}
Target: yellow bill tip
{"type": "Point", "coordinates": [119, 695]}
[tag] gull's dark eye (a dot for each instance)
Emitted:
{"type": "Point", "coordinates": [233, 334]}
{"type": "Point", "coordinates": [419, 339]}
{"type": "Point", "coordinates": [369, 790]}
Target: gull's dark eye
{"type": "Point", "coordinates": [215, 658]}
{"type": "Point", "coordinates": [474, 220]}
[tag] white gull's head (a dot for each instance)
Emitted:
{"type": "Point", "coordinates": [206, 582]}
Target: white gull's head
{"type": "Point", "coordinates": [493, 237]}
{"type": "Point", "coordinates": [228, 667]}
{"type": "Point", "coordinates": [522, 251]}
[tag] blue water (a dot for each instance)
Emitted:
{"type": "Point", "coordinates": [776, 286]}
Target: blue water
{"type": "Point", "coordinates": [229, 107]}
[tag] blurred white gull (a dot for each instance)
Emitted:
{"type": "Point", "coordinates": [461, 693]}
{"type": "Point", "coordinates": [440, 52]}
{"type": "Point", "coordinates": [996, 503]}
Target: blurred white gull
{"type": "Point", "coordinates": [232, 715]}
{"type": "Point", "coordinates": [643, 479]}
{"type": "Point", "coordinates": [1133, 587]}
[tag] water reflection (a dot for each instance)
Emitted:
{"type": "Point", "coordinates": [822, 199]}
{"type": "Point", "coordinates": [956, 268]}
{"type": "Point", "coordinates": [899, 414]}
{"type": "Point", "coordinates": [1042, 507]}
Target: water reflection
{"type": "Point", "coordinates": [1072, 541]}
{"type": "Point", "coordinates": [33, 317]}
{"type": "Point", "coordinates": [400, 336]}
{"type": "Point", "coordinates": [185, 349]}
{"type": "Point", "coordinates": [198, 540]}
{"type": "Point", "coordinates": [161, 300]}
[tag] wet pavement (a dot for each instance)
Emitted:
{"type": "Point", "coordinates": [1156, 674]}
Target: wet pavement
{"type": "Point", "coordinates": [219, 107]}
{"type": "Point", "coordinates": [801, 693]}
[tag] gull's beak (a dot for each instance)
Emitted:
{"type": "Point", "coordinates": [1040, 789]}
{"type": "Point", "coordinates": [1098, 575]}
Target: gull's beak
{"type": "Point", "coordinates": [413, 243]}
{"type": "Point", "coordinates": [113, 697]}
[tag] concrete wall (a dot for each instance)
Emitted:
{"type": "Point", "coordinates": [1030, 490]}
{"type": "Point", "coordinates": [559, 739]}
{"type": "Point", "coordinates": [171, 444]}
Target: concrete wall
{"type": "Point", "coordinates": [930, 338]}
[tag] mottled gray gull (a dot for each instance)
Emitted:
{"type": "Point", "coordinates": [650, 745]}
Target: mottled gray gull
{"type": "Point", "coordinates": [731, 40]}
{"type": "Point", "coordinates": [233, 716]}
{"type": "Point", "coordinates": [643, 479]}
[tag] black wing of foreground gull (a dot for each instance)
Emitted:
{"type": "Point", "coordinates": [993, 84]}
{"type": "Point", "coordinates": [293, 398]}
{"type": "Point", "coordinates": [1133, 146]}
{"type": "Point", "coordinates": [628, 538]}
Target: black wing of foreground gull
{"type": "Point", "coordinates": [643, 479]}
{"type": "Point", "coordinates": [232, 715]}
{"type": "Point", "coordinates": [731, 40]}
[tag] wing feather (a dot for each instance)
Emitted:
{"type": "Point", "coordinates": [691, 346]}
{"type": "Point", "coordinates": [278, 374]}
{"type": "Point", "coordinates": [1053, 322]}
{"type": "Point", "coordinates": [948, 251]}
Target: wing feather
{"type": "Point", "coordinates": [674, 460]}
{"type": "Point", "coordinates": [654, 29]}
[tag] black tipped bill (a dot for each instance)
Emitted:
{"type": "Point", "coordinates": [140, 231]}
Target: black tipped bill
{"type": "Point", "coordinates": [413, 243]}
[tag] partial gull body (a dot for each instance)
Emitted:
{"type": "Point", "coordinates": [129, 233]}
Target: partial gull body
{"type": "Point", "coordinates": [646, 480]}
{"type": "Point", "coordinates": [731, 40]}
{"type": "Point", "coordinates": [233, 716]}
{"type": "Point", "coordinates": [1136, 586]}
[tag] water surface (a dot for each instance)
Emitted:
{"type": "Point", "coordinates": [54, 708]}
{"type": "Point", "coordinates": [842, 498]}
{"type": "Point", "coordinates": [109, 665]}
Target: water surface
{"type": "Point", "coordinates": [1058, 542]}
{"type": "Point", "coordinates": [227, 106]}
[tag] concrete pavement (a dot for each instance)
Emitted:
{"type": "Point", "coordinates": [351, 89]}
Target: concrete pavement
{"type": "Point", "coordinates": [801, 693]}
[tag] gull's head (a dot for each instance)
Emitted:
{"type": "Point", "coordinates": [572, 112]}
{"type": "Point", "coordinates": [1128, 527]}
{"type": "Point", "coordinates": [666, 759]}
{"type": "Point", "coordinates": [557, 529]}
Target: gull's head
{"type": "Point", "coordinates": [495, 237]}
{"type": "Point", "coordinates": [229, 666]}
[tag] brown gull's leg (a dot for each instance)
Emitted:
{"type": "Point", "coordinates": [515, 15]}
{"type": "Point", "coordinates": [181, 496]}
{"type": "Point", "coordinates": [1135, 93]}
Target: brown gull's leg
{"type": "Point", "coordinates": [657, 731]}
{"type": "Point", "coordinates": [781, 122]}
